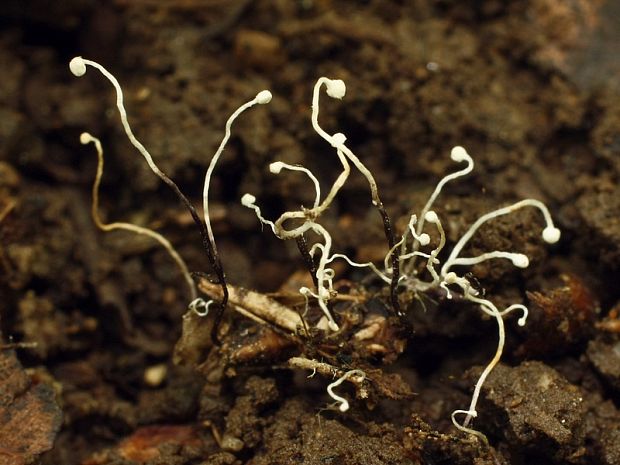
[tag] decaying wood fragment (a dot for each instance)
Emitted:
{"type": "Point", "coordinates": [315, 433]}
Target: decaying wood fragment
{"type": "Point", "coordinates": [328, 370]}
{"type": "Point", "coordinates": [255, 306]}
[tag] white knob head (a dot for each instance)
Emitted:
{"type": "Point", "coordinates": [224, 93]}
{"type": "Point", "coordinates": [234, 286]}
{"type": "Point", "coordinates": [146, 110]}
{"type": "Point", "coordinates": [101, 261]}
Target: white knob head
{"type": "Point", "coordinates": [276, 167]}
{"type": "Point", "coordinates": [459, 154]}
{"type": "Point", "coordinates": [263, 97]}
{"type": "Point", "coordinates": [424, 239]}
{"type": "Point", "coordinates": [431, 217]}
{"type": "Point", "coordinates": [85, 138]}
{"type": "Point", "coordinates": [77, 66]}
{"type": "Point", "coordinates": [248, 200]}
{"type": "Point", "coordinates": [336, 88]}
{"type": "Point", "coordinates": [519, 260]}
{"type": "Point", "coordinates": [551, 234]}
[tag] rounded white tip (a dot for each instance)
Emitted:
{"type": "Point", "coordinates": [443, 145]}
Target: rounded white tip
{"type": "Point", "coordinates": [424, 239]}
{"type": "Point", "coordinates": [338, 139]}
{"type": "Point", "coordinates": [519, 260]}
{"type": "Point", "coordinates": [276, 167]}
{"type": "Point", "coordinates": [263, 97]}
{"type": "Point", "coordinates": [77, 66]}
{"type": "Point", "coordinates": [248, 200]}
{"type": "Point", "coordinates": [85, 138]}
{"type": "Point", "coordinates": [551, 234]}
{"type": "Point", "coordinates": [459, 154]}
{"type": "Point", "coordinates": [336, 88]}
{"type": "Point", "coordinates": [344, 407]}
{"type": "Point", "coordinates": [431, 217]}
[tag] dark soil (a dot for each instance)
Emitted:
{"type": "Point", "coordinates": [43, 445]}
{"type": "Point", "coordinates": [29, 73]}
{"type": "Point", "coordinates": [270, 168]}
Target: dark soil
{"type": "Point", "coordinates": [530, 88]}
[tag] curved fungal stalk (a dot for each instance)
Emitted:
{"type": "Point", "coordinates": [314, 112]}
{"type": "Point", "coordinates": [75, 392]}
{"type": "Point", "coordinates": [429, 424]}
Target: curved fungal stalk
{"type": "Point", "coordinates": [518, 259]}
{"type": "Point", "coordinates": [78, 67]}
{"type": "Point", "coordinates": [550, 233]}
{"type": "Point", "coordinates": [261, 98]}
{"type": "Point", "coordinates": [432, 217]}
{"type": "Point", "coordinates": [492, 310]}
{"type": "Point", "coordinates": [336, 88]}
{"type": "Point", "coordinates": [459, 155]}
{"type": "Point", "coordinates": [324, 275]}
{"type": "Point", "coordinates": [344, 403]}
{"type": "Point", "coordinates": [370, 265]}
{"type": "Point", "coordinates": [86, 138]}
{"type": "Point", "coordinates": [277, 166]}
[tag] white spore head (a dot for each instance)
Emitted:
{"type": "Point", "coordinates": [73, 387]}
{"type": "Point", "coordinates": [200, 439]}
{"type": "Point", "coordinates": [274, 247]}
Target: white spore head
{"type": "Point", "coordinates": [459, 154]}
{"type": "Point", "coordinates": [276, 167]}
{"type": "Point", "coordinates": [551, 234]}
{"type": "Point", "coordinates": [85, 138]}
{"type": "Point", "coordinates": [519, 260]}
{"type": "Point", "coordinates": [431, 217]}
{"type": "Point", "coordinates": [263, 97]}
{"type": "Point", "coordinates": [248, 200]}
{"type": "Point", "coordinates": [336, 88]}
{"type": "Point", "coordinates": [424, 239]}
{"type": "Point", "coordinates": [77, 66]}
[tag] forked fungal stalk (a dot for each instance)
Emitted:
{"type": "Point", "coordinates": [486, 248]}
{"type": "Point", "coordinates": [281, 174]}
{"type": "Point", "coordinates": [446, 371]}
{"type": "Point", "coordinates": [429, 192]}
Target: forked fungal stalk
{"type": "Point", "coordinates": [277, 166]}
{"type": "Point", "coordinates": [308, 217]}
{"type": "Point", "coordinates": [78, 66]}
{"type": "Point", "coordinates": [344, 403]}
{"type": "Point", "coordinates": [550, 234]}
{"type": "Point", "coordinates": [86, 138]}
{"type": "Point", "coordinates": [336, 88]}
{"type": "Point", "coordinates": [489, 308]}
{"type": "Point", "coordinates": [459, 155]}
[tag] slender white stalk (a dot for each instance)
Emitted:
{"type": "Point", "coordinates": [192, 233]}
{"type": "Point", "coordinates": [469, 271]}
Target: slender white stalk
{"type": "Point", "coordinates": [249, 201]}
{"type": "Point", "coordinates": [323, 275]}
{"type": "Point", "coordinates": [335, 89]}
{"type": "Point", "coordinates": [261, 98]}
{"type": "Point", "coordinates": [518, 259]}
{"type": "Point", "coordinates": [423, 239]}
{"type": "Point", "coordinates": [370, 265]}
{"type": "Point", "coordinates": [490, 308]}
{"type": "Point", "coordinates": [276, 168]}
{"type": "Point", "coordinates": [458, 154]}
{"type": "Point", "coordinates": [78, 68]}
{"type": "Point", "coordinates": [432, 217]}
{"type": "Point", "coordinates": [466, 429]}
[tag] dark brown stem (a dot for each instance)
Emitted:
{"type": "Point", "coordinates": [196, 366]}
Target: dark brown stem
{"type": "Point", "coordinates": [212, 255]}
{"type": "Point", "coordinates": [302, 245]}
{"type": "Point", "coordinates": [389, 234]}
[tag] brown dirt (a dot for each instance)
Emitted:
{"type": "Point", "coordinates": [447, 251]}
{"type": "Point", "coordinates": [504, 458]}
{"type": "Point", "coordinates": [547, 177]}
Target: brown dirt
{"type": "Point", "coordinates": [531, 89]}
